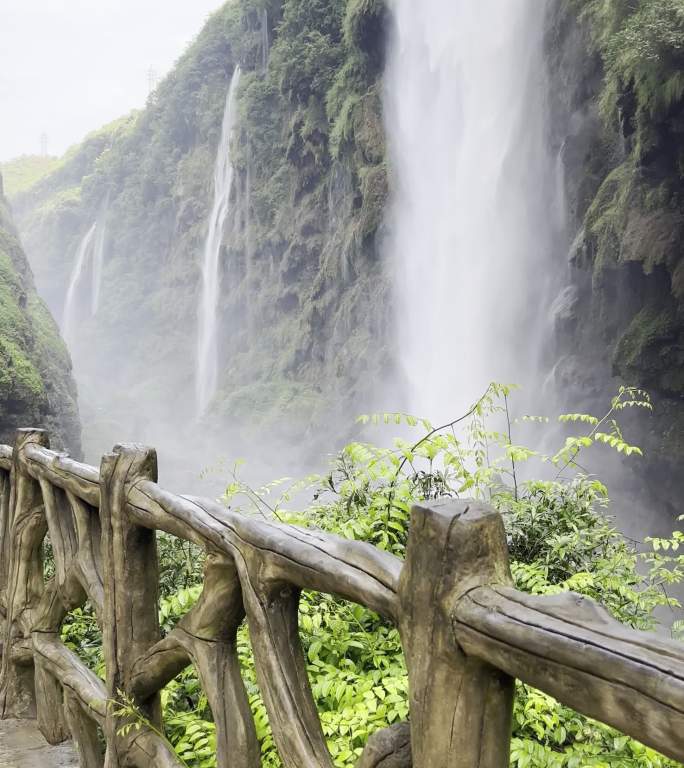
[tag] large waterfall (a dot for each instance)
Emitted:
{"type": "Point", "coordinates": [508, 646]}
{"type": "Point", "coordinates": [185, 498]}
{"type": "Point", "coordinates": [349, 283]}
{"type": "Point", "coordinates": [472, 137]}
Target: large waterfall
{"type": "Point", "coordinates": [473, 216]}
{"type": "Point", "coordinates": [88, 259]}
{"type": "Point", "coordinates": [207, 343]}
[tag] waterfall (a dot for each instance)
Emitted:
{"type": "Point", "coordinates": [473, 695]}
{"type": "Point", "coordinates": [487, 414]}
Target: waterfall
{"type": "Point", "coordinates": [70, 315]}
{"type": "Point", "coordinates": [89, 258]}
{"type": "Point", "coordinates": [265, 41]}
{"type": "Point", "coordinates": [98, 262]}
{"type": "Point", "coordinates": [207, 347]}
{"type": "Point", "coordinates": [473, 213]}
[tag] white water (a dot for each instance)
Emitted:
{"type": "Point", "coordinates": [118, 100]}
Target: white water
{"type": "Point", "coordinates": [89, 258]}
{"type": "Point", "coordinates": [207, 344]}
{"type": "Point", "coordinates": [70, 315]}
{"type": "Point", "coordinates": [98, 263]}
{"type": "Point", "coordinates": [473, 214]}
{"type": "Point", "coordinates": [265, 42]}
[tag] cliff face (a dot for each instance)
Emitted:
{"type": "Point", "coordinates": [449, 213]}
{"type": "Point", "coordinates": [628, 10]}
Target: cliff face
{"type": "Point", "coordinates": [618, 101]}
{"type": "Point", "coordinates": [36, 387]}
{"type": "Point", "coordinates": [303, 300]}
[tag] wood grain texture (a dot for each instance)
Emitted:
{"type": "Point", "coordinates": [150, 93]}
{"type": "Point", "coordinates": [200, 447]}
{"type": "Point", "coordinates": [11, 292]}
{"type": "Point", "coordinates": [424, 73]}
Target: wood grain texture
{"type": "Point", "coordinates": [5, 457]}
{"type": "Point", "coordinates": [574, 650]}
{"type": "Point", "coordinates": [306, 559]}
{"type": "Point", "coordinates": [84, 733]}
{"type": "Point", "coordinates": [461, 707]}
{"type": "Point", "coordinates": [131, 579]}
{"type": "Point", "coordinates": [63, 472]}
{"type": "Point", "coordinates": [26, 527]}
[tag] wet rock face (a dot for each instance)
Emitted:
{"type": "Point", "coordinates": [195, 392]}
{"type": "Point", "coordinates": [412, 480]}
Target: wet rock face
{"type": "Point", "coordinates": [36, 386]}
{"type": "Point", "coordinates": [620, 316]}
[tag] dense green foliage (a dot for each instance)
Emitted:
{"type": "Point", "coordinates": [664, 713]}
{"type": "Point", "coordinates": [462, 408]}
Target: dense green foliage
{"type": "Point", "coordinates": [36, 388]}
{"type": "Point", "coordinates": [560, 537]}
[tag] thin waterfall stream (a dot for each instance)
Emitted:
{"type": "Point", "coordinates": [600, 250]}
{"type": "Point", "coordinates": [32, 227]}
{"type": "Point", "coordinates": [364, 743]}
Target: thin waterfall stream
{"type": "Point", "coordinates": [471, 220]}
{"type": "Point", "coordinates": [207, 345]}
{"type": "Point", "coordinates": [89, 258]}
{"type": "Point", "coordinates": [69, 314]}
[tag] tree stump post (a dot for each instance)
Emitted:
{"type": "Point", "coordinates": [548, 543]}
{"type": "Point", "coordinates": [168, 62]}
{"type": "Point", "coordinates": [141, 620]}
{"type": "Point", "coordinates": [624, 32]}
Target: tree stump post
{"type": "Point", "coordinates": [131, 579]}
{"type": "Point", "coordinates": [25, 529]}
{"type": "Point", "coordinates": [4, 536]}
{"type": "Point", "coordinates": [461, 707]}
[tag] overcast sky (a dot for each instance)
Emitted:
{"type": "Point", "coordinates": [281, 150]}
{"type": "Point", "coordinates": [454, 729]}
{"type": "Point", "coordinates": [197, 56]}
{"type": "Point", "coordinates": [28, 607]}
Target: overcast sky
{"type": "Point", "coordinates": [70, 66]}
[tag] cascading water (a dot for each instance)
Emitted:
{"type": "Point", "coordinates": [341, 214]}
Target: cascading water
{"type": "Point", "coordinates": [89, 258]}
{"type": "Point", "coordinates": [473, 214]}
{"type": "Point", "coordinates": [265, 41]}
{"type": "Point", "coordinates": [207, 346]}
{"type": "Point", "coordinates": [98, 263]}
{"type": "Point", "coordinates": [69, 317]}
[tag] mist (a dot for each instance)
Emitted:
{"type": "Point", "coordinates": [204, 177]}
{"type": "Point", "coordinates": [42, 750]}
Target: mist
{"type": "Point", "coordinates": [253, 257]}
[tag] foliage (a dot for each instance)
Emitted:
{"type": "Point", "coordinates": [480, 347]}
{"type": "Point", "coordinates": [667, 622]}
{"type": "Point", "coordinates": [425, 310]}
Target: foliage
{"type": "Point", "coordinates": [20, 174]}
{"type": "Point", "coordinates": [560, 535]}
{"type": "Point", "coordinates": [35, 381]}
{"type": "Point", "coordinates": [642, 45]}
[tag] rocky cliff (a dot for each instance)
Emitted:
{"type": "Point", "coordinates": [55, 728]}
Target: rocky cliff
{"type": "Point", "coordinates": [617, 71]}
{"type": "Point", "coordinates": [303, 300]}
{"type": "Point", "coordinates": [36, 386]}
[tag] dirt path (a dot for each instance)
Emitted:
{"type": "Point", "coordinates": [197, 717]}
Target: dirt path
{"type": "Point", "coordinates": [22, 746]}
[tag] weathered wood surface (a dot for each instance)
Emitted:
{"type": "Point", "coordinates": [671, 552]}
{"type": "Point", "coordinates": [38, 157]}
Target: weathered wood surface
{"type": "Point", "coordinates": [467, 634]}
{"type": "Point", "coordinates": [574, 650]}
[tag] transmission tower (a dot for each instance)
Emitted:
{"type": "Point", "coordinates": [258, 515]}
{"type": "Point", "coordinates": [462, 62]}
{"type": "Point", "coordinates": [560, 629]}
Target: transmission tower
{"type": "Point", "coordinates": [43, 144]}
{"type": "Point", "coordinates": [152, 79]}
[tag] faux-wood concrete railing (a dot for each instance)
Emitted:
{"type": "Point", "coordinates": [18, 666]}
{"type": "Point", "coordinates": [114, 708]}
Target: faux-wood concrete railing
{"type": "Point", "coordinates": [466, 632]}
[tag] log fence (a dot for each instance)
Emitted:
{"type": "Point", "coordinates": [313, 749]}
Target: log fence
{"type": "Point", "coordinates": [467, 634]}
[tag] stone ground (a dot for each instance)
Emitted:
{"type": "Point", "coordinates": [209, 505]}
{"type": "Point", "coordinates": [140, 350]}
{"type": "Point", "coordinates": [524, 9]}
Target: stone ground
{"type": "Point", "coordinates": [22, 746]}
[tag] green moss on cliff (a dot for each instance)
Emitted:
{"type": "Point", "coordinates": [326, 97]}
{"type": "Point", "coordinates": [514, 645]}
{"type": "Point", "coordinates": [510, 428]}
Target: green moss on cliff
{"type": "Point", "coordinates": [36, 388]}
{"type": "Point", "coordinates": [303, 296]}
{"type": "Point", "coordinates": [646, 345]}
{"type": "Point", "coordinates": [620, 66]}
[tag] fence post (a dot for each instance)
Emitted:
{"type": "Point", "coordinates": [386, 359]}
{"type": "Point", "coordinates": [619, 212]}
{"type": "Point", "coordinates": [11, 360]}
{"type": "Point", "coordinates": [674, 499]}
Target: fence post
{"type": "Point", "coordinates": [131, 583]}
{"type": "Point", "coordinates": [461, 707]}
{"type": "Point", "coordinates": [25, 530]}
{"type": "Point", "coordinates": [4, 536]}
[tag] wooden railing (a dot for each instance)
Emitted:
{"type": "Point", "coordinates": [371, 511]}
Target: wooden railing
{"type": "Point", "coordinates": [465, 631]}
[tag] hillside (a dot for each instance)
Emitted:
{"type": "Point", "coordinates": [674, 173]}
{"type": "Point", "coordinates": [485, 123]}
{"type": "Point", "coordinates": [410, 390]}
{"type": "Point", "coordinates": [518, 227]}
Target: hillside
{"type": "Point", "coordinates": [36, 386]}
{"type": "Point", "coordinates": [303, 305]}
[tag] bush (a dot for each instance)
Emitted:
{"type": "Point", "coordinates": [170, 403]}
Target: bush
{"type": "Point", "coordinates": [561, 538]}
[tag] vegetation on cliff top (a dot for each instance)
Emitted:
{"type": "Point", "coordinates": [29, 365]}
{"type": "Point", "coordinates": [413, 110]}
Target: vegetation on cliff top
{"type": "Point", "coordinates": [36, 388]}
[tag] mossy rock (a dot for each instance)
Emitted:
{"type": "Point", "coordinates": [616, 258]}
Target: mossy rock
{"type": "Point", "coordinates": [645, 349]}
{"type": "Point", "coordinates": [36, 387]}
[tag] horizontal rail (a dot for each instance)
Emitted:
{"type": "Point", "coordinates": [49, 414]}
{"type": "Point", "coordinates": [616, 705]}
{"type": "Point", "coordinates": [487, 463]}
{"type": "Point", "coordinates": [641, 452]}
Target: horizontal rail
{"type": "Point", "coordinates": [571, 648]}
{"type": "Point", "coordinates": [58, 469]}
{"type": "Point", "coordinates": [303, 558]}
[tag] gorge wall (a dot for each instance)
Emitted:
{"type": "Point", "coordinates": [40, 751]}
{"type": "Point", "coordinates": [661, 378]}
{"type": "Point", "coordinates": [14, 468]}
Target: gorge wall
{"type": "Point", "coordinates": [306, 317]}
{"type": "Point", "coordinates": [36, 386]}
{"type": "Point", "coordinates": [303, 299]}
{"type": "Point", "coordinates": [617, 71]}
